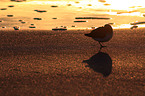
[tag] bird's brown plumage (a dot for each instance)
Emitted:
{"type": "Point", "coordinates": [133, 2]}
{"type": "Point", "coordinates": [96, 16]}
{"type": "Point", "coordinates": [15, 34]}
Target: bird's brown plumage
{"type": "Point", "coordinates": [100, 32]}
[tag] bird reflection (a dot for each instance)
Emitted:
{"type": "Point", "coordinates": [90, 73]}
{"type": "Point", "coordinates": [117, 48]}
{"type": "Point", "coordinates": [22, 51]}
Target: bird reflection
{"type": "Point", "coordinates": [100, 62]}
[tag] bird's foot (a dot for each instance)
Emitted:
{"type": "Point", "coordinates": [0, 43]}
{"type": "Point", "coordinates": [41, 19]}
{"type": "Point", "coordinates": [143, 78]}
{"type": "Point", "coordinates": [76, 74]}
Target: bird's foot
{"type": "Point", "coordinates": [102, 47]}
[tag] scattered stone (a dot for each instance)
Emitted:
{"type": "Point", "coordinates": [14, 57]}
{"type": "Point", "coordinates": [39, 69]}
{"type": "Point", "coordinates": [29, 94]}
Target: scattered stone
{"type": "Point", "coordinates": [54, 6]}
{"type": "Point", "coordinates": [23, 22]}
{"type": "Point", "coordinates": [59, 29]}
{"type": "Point", "coordinates": [92, 18]}
{"type": "Point", "coordinates": [61, 26]}
{"type": "Point", "coordinates": [54, 18]}
{"type": "Point", "coordinates": [40, 11]}
{"type": "Point", "coordinates": [80, 21]}
{"type": "Point", "coordinates": [32, 26]}
{"type": "Point", "coordinates": [18, 0]}
{"type": "Point", "coordinates": [37, 18]}
{"type": "Point", "coordinates": [73, 26]}
{"type": "Point", "coordinates": [3, 9]}
{"type": "Point", "coordinates": [135, 23]}
{"type": "Point", "coordinates": [11, 6]}
{"type": "Point", "coordinates": [20, 20]}
{"type": "Point", "coordinates": [10, 15]}
{"type": "Point", "coordinates": [135, 26]}
{"type": "Point", "coordinates": [16, 28]}
{"type": "Point", "coordinates": [3, 26]}
{"type": "Point", "coordinates": [93, 27]}
{"type": "Point", "coordinates": [64, 27]}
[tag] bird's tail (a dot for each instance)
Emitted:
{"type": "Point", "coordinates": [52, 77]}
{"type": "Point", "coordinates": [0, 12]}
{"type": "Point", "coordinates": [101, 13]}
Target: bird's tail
{"type": "Point", "coordinates": [87, 35]}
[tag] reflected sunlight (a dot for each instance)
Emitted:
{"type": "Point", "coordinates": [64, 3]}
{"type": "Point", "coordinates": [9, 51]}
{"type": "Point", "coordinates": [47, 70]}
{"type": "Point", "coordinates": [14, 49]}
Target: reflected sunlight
{"type": "Point", "coordinates": [65, 12]}
{"type": "Point", "coordinates": [124, 4]}
{"type": "Point", "coordinates": [108, 4]}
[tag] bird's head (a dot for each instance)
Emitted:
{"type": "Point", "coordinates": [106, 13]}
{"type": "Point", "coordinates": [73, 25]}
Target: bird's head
{"type": "Point", "coordinates": [108, 26]}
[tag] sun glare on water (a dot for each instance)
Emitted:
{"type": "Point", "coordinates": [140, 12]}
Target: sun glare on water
{"type": "Point", "coordinates": [124, 4]}
{"type": "Point", "coordinates": [111, 4]}
{"type": "Point", "coordinates": [127, 10]}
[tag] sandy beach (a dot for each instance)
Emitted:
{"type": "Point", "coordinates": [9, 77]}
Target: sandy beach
{"type": "Point", "coordinates": [67, 63]}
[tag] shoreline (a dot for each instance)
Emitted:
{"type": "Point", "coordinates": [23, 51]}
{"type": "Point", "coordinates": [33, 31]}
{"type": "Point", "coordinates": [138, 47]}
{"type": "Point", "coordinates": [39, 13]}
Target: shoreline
{"type": "Point", "coordinates": [69, 29]}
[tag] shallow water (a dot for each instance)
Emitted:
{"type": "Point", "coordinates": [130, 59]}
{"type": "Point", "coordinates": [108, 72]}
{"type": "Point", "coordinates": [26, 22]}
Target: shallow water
{"type": "Point", "coordinates": [60, 13]}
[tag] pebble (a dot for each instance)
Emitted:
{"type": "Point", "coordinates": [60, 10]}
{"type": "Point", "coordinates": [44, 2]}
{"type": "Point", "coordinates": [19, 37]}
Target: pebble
{"type": "Point", "coordinates": [10, 15]}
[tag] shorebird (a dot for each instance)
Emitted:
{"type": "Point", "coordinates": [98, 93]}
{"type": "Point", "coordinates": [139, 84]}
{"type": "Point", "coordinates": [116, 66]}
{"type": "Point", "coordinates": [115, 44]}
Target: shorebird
{"type": "Point", "coordinates": [101, 34]}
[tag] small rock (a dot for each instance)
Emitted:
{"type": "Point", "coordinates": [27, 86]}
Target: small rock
{"type": "Point", "coordinates": [10, 15]}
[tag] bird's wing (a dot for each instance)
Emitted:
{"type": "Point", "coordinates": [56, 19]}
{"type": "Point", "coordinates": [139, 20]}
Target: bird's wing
{"type": "Point", "coordinates": [98, 33]}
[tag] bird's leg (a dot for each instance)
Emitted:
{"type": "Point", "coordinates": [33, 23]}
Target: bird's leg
{"type": "Point", "coordinates": [101, 45]}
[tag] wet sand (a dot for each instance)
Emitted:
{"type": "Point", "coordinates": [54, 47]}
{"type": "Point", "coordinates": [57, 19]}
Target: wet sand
{"type": "Point", "coordinates": [54, 63]}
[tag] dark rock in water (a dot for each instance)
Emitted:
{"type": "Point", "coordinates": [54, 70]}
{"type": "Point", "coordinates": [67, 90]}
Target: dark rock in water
{"type": "Point", "coordinates": [134, 27]}
{"type": "Point", "coordinates": [135, 23]}
{"type": "Point", "coordinates": [20, 20]}
{"type": "Point", "coordinates": [93, 27]}
{"type": "Point", "coordinates": [54, 18]}
{"type": "Point", "coordinates": [92, 18]}
{"type": "Point", "coordinates": [59, 29]}
{"type": "Point", "coordinates": [11, 6]}
{"type": "Point", "coordinates": [63, 26]}
{"type": "Point", "coordinates": [37, 18]}
{"type": "Point", "coordinates": [16, 28]}
{"type": "Point", "coordinates": [40, 11]}
{"type": "Point", "coordinates": [54, 6]}
{"type": "Point", "coordinates": [73, 26]}
{"type": "Point", "coordinates": [23, 22]}
{"type": "Point", "coordinates": [81, 21]}
{"type": "Point", "coordinates": [3, 9]}
{"type": "Point", "coordinates": [10, 15]}
{"type": "Point", "coordinates": [18, 0]}
{"type": "Point", "coordinates": [3, 26]}
{"type": "Point", "coordinates": [32, 26]}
